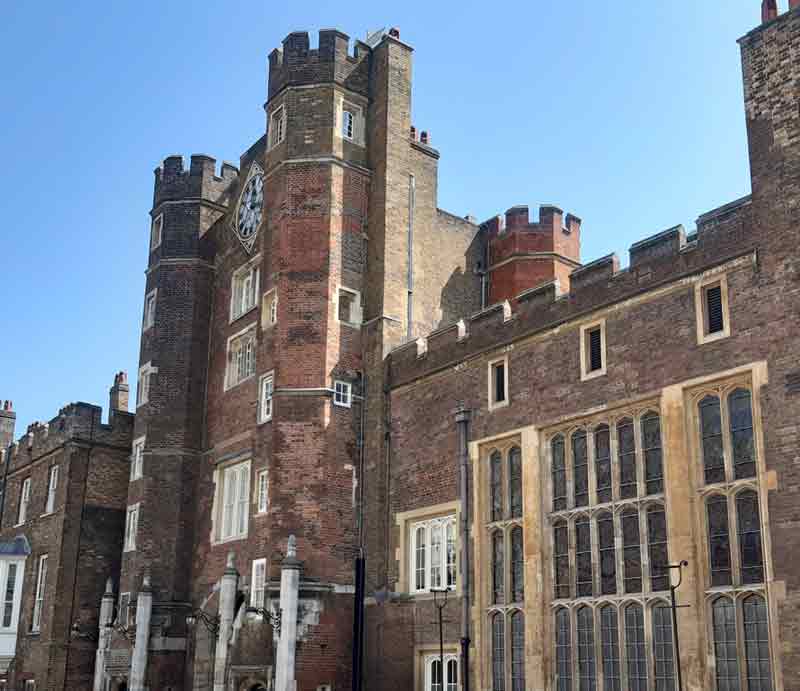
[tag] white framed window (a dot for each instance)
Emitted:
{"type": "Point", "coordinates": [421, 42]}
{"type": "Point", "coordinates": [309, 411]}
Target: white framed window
{"type": "Point", "coordinates": [234, 495]}
{"type": "Point", "coordinates": [348, 124]}
{"type": "Point", "coordinates": [123, 609]}
{"type": "Point", "coordinates": [433, 554]}
{"type": "Point", "coordinates": [351, 122]}
{"type": "Point", "coordinates": [259, 583]}
{"type": "Point", "coordinates": [149, 318]}
{"type": "Point", "coordinates": [348, 306]}
{"type": "Point", "coordinates": [277, 126]}
{"type": "Point", "coordinates": [131, 528]}
{"type": "Point", "coordinates": [52, 486]}
{"type": "Point", "coordinates": [434, 679]}
{"type": "Point", "coordinates": [244, 289]}
{"type": "Point", "coordinates": [712, 310]}
{"type": "Point", "coordinates": [498, 383]}
{"type": "Point", "coordinates": [143, 383]}
{"type": "Point", "coordinates": [241, 357]}
{"type": "Point", "coordinates": [38, 603]}
{"type": "Point", "coordinates": [30, 685]}
{"type": "Point", "coordinates": [265, 392]}
{"type": "Point", "coordinates": [24, 501]}
{"type": "Point", "coordinates": [593, 350]}
{"type": "Point", "coordinates": [156, 231]}
{"type": "Point", "coordinates": [269, 309]}
{"type": "Point", "coordinates": [262, 487]}
{"type": "Point", "coordinates": [11, 595]}
{"type": "Point", "coordinates": [342, 393]}
{"type": "Point", "coordinates": [137, 458]}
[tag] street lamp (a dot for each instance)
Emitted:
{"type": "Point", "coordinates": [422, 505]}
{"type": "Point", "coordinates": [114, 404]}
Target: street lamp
{"type": "Point", "coordinates": [273, 616]}
{"type": "Point", "coordinates": [86, 635]}
{"type": "Point", "coordinates": [210, 621]}
{"type": "Point", "coordinates": [440, 600]}
{"type": "Point", "coordinates": [679, 567]}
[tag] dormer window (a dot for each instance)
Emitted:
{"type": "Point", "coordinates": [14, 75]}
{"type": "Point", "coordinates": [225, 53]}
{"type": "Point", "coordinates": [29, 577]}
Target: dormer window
{"type": "Point", "coordinates": [277, 126]}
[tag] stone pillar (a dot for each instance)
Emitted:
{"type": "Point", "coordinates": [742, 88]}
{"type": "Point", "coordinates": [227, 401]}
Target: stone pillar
{"type": "Point", "coordinates": [104, 635]}
{"type": "Point", "coordinates": [144, 609]}
{"type": "Point", "coordinates": [227, 602]}
{"type": "Point", "coordinates": [290, 591]}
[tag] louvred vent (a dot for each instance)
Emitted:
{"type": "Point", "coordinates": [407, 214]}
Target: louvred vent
{"type": "Point", "coordinates": [716, 322]}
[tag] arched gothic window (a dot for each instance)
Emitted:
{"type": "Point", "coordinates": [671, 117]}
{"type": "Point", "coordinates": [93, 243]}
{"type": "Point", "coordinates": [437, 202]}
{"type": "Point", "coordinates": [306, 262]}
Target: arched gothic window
{"type": "Point", "coordinates": [498, 567]}
{"type": "Point", "coordinates": [663, 656]}
{"type": "Point", "coordinates": [719, 541]}
{"type": "Point", "coordinates": [496, 485]}
{"type": "Point", "coordinates": [583, 558]}
{"type": "Point", "coordinates": [561, 558]}
{"type": "Point", "coordinates": [498, 653]}
{"type": "Point", "coordinates": [517, 566]}
{"type": "Point", "coordinates": [651, 447]}
{"type": "Point", "coordinates": [518, 651]}
{"type": "Point", "coordinates": [632, 552]}
{"type": "Point", "coordinates": [580, 468]}
{"type": "Point", "coordinates": [657, 539]}
{"type": "Point", "coordinates": [727, 659]}
{"type": "Point", "coordinates": [756, 644]}
{"type": "Point", "coordinates": [602, 456]}
{"type": "Point", "coordinates": [559, 474]}
{"type": "Point", "coordinates": [635, 648]}
{"type": "Point", "coordinates": [626, 444]}
{"type": "Point", "coordinates": [586, 663]}
{"type": "Point", "coordinates": [563, 652]}
{"type": "Point", "coordinates": [609, 641]}
{"type": "Point", "coordinates": [740, 414]}
{"type": "Point", "coordinates": [749, 523]}
{"type": "Point", "coordinates": [515, 482]}
{"type": "Point", "coordinates": [608, 554]}
{"type": "Point", "coordinates": [711, 433]}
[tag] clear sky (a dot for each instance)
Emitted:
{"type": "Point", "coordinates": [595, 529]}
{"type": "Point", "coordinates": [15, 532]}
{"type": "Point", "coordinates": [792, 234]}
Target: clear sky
{"type": "Point", "coordinates": [627, 113]}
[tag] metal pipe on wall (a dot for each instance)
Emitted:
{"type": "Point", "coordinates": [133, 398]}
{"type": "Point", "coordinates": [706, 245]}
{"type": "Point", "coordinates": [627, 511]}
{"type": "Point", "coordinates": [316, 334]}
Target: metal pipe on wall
{"type": "Point", "coordinates": [462, 422]}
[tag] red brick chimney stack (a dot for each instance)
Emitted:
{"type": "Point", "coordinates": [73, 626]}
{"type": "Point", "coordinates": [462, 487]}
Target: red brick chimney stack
{"type": "Point", "coordinates": [769, 9]}
{"type": "Point", "coordinates": [119, 393]}
{"type": "Point", "coordinates": [424, 137]}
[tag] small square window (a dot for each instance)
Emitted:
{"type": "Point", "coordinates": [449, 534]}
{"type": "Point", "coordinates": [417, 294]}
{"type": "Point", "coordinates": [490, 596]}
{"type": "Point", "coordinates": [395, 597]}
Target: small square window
{"type": "Point", "coordinates": [711, 305]}
{"type": "Point", "coordinates": [265, 393]}
{"type": "Point", "coordinates": [137, 457]}
{"type": "Point", "coordinates": [269, 309]}
{"type": "Point", "coordinates": [277, 126]}
{"type": "Point", "coordinates": [156, 230]}
{"type": "Point", "coordinates": [149, 318]}
{"type": "Point", "coordinates": [349, 307]}
{"type": "Point", "coordinates": [241, 357]}
{"type": "Point", "coordinates": [131, 528]}
{"type": "Point", "coordinates": [143, 384]}
{"type": "Point", "coordinates": [593, 350]}
{"type": "Point", "coordinates": [498, 383]}
{"type": "Point", "coordinates": [262, 500]}
{"type": "Point", "coordinates": [342, 393]}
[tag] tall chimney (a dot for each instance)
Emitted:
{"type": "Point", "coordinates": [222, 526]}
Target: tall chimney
{"type": "Point", "coordinates": [8, 421]}
{"type": "Point", "coordinates": [119, 393]}
{"type": "Point", "coordinates": [769, 10]}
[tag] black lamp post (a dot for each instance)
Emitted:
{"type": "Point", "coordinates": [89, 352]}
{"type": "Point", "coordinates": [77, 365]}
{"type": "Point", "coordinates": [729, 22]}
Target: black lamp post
{"type": "Point", "coordinates": [90, 635]}
{"type": "Point", "coordinates": [441, 602]}
{"type": "Point", "coordinates": [210, 621]}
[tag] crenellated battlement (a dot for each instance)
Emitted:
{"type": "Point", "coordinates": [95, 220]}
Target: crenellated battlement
{"type": "Point", "coordinates": [296, 63]}
{"type": "Point", "coordinates": [174, 182]}
{"type": "Point", "coordinates": [723, 235]}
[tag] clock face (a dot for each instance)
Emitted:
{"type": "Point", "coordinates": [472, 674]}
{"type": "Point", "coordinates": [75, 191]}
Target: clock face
{"type": "Point", "coordinates": [250, 207]}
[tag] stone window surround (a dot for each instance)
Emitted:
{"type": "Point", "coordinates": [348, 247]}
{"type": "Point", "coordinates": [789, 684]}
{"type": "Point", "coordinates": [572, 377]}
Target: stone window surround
{"type": "Point", "coordinates": [250, 266]}
{"type": "Point", "coordinates": [423, 655]}
{"type": "Point", "coordinates": [269, 309]}
{"type": "Point", "coordinates": [586, 329]}
{"type": "Point", "coordinates": [156, 237]}
{"type": "Point", "coordinates": [149, 316]}
{"type": "Point", "coordinates": [24, 501]}
{"type": "Point", "coordinates": [53, 476]}
{"type": "Point", "coordinates": [143, 385]}
{"type": "Point", "coordinates": [701, 318]}
{"type": "Point", "coordinates": [261, 509]}
{"type": "Point", "coordinates": [137, 458]}
{"type": "Point", "coordinates": [276, 138]}
{"type": "Point", "coordinates": [228, 362]}
{"type": "Point", "coordinates": [262, 415]}
{"type": "Point", "coordinates": [129, 536]}
{"type": "Point", "coordinates": [355, 311]}
{"type": "Point", "coordinates": [404, 520]}
{"type": "Point", "coordinates": [346, 104]}
{"type": "Point", "coordinates": [39, 593]}
{"type": "Point", "coordinates": [217, 507]}
{"type": "Point", "coordinates": [345, 394]}
{"type": "Point", "coordinates": [494, 405]}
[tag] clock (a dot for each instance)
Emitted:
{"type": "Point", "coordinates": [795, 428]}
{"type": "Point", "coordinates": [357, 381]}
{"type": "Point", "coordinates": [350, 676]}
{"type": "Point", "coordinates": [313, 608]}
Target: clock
{"type": "Point", "coordinates": [250, 208]}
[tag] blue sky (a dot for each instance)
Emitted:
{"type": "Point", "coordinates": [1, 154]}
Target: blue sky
{"type": "Point", "coordinates": [627, 113]}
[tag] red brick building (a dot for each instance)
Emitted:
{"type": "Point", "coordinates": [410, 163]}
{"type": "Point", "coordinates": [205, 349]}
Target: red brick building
{"type": "Point", "coordinates": [346, 394]}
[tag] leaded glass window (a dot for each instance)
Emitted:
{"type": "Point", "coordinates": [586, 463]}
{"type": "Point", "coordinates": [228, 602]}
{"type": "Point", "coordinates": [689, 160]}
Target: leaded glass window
{"type": "Point", "coordinates": [583, 558]}
{"type": "Point", "coordinates": [561, 558]}
{"type": "Point", "coordinates": [563, 652]}
{"type": "Point", "coordinates": [741, 423]}
{"type": "Point", "coordinates": [632, 553]}
{"type": "Point", "coordinates": [626, 443]}
{"type": "Point", "coordinates": [635, 648]}
{"type": "Point", "coordinates": [608, 554]}
{"type": "Point", "coordinates": [517, 566]}
{"type": "Point", "coordinates": [580, 468]}
{"type": "Point", "coordinates": [756, 644]}
{"type": "Point", "coordinates": [657, 539]}
{"type": "Point", "coordinates": [651, 447]}
{"type": "Point", "coordinates": [498, 567]}
{"type": "Point", "coordinates": [609, 640]}
{"type": "Point", "coordinates": [719, 541]}
{"type": "Point", "coordinates": [586, 662]}
{"type": "Point", "coordinates": [515, 482]}
{"type": "Point", "coordinates": [498, 653]}
{"type": "Point", "coordinates": [496, 486]}
{"type": "Point", "coordinates": [518, 651]}
{"type": "Point", "coordinates": [727, 658]}
{"type": "Point", "coordinates": [752, 560]}
{"type": "Point", "coordinates": [662, 649]}
{"type": "Point", "coordinates": [602, 459]}
{"type": "Point", "coordinates": [559, 474]}
{"type": "Point", "coordinates": [711, 433]}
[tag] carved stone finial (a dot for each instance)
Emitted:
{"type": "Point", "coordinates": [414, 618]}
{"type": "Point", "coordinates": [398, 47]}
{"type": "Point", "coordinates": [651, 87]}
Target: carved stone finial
{"type": "Point", "coordinates": [291, 548]}
{"type": "Point", "coordinates": [146, 583]}
{"type": "Point", "coordinates": [109, 586]}
{"type": "Point", "coordinates": [230, 565]}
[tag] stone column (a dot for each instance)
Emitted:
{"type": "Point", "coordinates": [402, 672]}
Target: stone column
{"type": "Point", "coordinates": [144, 609]}
{"type": "Point", "coordinates": [227, 602]}
{"type": "Point", "coordinates": [104, 635]}
{"type": "Point", "coordinates": [290, 590]}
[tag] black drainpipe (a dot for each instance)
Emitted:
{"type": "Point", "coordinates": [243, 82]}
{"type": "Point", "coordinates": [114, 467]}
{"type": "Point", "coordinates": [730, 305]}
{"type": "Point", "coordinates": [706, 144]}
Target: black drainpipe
{"type": "Point", "coordinates": [360, 566]}
{"type": "Point", "coordinates": [462, 422]}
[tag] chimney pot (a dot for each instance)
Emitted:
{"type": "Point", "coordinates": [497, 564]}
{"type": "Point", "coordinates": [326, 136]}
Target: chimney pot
{"type": "Point", "coordinates": [769, 9]}
{"type": "Point", "coordinates": [394, 32]}
{"type": "Point", "coordinates": [413, 133]}
{"type": "Point", "coordinates": [424, 137]}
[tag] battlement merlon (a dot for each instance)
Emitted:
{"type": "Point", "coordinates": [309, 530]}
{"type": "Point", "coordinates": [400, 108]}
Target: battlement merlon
{"type": "Point", "coordinates": [173, 182]}
{"type": "Point", "coordinates": [296, 64]}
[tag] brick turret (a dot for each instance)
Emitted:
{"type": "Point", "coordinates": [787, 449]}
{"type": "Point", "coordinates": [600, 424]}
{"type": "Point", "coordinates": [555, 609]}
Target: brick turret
{"type": "Point", "coordinates": [523, 255]}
